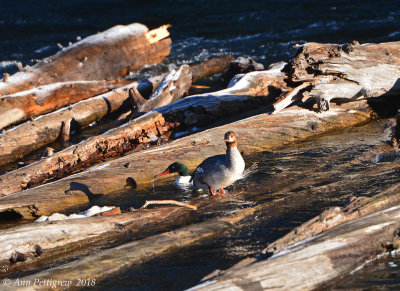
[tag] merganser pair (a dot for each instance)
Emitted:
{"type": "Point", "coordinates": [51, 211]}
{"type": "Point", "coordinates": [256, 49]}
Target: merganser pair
{"type": "Point", "coordinates": [215, 172]}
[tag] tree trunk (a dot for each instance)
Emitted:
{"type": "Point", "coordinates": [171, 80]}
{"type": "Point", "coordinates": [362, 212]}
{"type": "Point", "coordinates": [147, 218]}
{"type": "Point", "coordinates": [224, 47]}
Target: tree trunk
{"type": "Point", "coordinates": [104, 56]}
{"type": "Point", "coordinates": [24, 105]}
{"type": "Point", "coordinates": [194, 110]}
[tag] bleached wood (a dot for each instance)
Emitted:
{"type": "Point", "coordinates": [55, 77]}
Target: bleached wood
{"type": "Point", "coordinates": [103, 56]}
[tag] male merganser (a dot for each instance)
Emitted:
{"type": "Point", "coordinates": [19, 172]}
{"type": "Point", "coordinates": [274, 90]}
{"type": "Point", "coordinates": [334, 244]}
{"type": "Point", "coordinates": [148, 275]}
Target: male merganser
{"type": "Point", "coordinates": [219, 171]}
{"type": "Point", "coordinates": [177, 167]}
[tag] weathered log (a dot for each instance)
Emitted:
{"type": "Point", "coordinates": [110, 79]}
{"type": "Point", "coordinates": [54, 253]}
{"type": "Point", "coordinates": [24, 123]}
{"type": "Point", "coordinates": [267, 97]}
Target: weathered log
{"type": "Point", "coordinates": [312, 262]}
{"type": "Point", "coordinates": [328, 219]}
{"type": "Point", "coordinates": [172, 88]}
{"type": "Point", "coordinates": [210, 67]}
{"type": "Point", "coordinates": [104, 56]}
{"type": "Point", "coordinates": [23, 105]}
{"type": "Point", "coordinates": [347, 72]}
{"type": "Point", "coordinates": [252, 90]}
{"type": "Point", "coordinates": [41, 131]}
{"type": "Point", "coordinates": [107, 262]}
{"type": "Point", "coordinates": [258, 133]}
{"type": "Point", "coordinates": [25, 239]}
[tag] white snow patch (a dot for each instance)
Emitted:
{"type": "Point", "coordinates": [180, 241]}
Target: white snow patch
{"type": "Point", "coordinates": [88, 213]}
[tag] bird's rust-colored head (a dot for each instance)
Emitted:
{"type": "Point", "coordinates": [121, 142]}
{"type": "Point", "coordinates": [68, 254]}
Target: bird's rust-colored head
{"type": "Point", "coordinates": [230, 139]}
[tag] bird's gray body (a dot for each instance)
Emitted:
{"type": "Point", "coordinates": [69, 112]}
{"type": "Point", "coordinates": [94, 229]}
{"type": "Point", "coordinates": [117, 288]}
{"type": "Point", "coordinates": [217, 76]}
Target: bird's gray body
{"type": "Point", "coordinates": [219, 171]}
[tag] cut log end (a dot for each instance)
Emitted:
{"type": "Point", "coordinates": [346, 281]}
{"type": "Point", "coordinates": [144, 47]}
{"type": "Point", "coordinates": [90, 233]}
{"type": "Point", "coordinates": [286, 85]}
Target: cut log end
{"type": "Point", "coordinates": [158, 33]}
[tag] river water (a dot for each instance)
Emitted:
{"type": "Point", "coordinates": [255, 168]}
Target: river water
{"type": "Point", "coordinates": [266, 31]}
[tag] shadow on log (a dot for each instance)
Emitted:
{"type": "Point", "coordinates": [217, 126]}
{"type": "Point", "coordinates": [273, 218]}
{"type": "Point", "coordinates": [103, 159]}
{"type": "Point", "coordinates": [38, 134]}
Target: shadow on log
{"type": "Point", "coordinates": [104, 56]}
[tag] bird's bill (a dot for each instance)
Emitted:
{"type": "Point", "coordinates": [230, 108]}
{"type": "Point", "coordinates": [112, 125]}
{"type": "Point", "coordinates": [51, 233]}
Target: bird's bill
{"type": "Point", "coordinates": [163, 173]}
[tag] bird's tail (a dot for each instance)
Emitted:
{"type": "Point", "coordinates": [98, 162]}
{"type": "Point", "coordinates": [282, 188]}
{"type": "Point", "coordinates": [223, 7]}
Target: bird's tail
{"type": "Point", "coordinates": [249, 171]}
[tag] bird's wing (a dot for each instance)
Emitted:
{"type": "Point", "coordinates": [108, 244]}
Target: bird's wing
{"type": "Point", "coordinates": [208, 166]}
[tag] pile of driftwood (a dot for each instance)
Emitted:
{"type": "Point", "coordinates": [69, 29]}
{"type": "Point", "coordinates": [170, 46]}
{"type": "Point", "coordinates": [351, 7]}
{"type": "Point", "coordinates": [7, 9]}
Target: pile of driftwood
{"type": "Point", "coordinates": [89, 82]}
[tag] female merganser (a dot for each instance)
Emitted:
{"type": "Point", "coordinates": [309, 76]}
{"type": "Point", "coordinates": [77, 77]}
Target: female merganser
{"type": "Point", "coordinates": [219, 171]}
{"type": "Point", "coordinates": [177, 167]}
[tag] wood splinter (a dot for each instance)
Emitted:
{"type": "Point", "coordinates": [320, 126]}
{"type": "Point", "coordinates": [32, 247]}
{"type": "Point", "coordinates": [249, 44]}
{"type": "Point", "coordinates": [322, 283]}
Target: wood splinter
{"type": "Point", "coordinates": [169, 202]}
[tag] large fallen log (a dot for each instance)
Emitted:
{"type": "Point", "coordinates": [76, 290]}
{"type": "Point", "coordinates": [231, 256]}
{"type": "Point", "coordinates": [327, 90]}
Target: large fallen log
{"type": "Point", "coordinates": [258, 133]}
{"type": "Point", "coordinates": [314, 261]}
{"type": "Point", "coordinates": [251, 91]}
{"type": "Point", "coordinates": [105, 263]}
{"type": "Point", "coordinates": [27, 239]}
{"type": "Point", "coordinates": [345, 72]}
{"type": "Point", "coordinates": [23, 105]}
{"type": "Point", "coordinates": [104, 56]}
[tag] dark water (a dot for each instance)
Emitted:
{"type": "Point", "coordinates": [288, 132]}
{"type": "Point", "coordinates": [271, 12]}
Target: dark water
{"type": "Point", "coordinates": [267, 31]}
{"type": "Point", "coordinates": [382, 274]}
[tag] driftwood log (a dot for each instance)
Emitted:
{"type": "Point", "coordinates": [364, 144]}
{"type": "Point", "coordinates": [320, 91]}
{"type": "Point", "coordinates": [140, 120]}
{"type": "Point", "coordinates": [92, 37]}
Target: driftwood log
{"type": "Point", "coordinates": [41, 131]}
{"type": "Point", "coordinates": [172, 88]}
{"type": "Point", "coordinates": [104, 56]}
{"type": "Point", "coordinates": [351, 238]}
{"type": "Point", "coordinates": [253, 90]}
{"type": "Point", "coordinates": [345, 72]}
{"type": "Point", "coordinates": [104, 263]}
{"type": "Point", "coordinates": [23, 105]}
{"type": "Point", "coordinates": [27, 239]}
{"type": "Point", "coordinates": [258, 133]}
{"type": "Point", "coordinates": [210, 67]}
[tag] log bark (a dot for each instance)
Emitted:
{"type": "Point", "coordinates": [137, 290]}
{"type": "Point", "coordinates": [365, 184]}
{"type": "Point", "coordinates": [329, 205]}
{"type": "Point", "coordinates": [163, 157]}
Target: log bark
{"type": "Point", "coordinates": [24, 105]}
{"type": "Point", "coordinates": [346, 72]}
{"type": "Point", "coordinates": [258, 133]}
{"type": "Point", "coordinates": [104, 56]}
{"type": "Point", "coordinates": [314, 261]}
{"type": "Point", "coordinates": [251, 91]}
